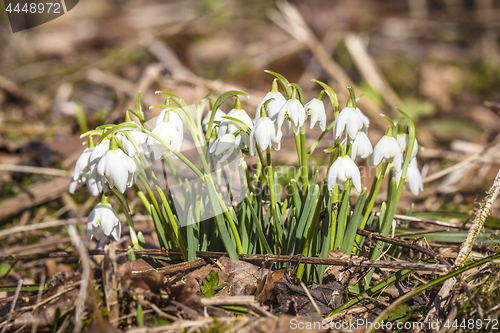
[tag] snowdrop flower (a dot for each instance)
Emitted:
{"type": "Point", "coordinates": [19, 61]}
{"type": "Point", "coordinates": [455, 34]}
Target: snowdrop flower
{"type": "Point", "coordinates": [230, 126]}
{"type": "Point", "coordinates": [81, 168]}
{"type": "Point", "coordinates": [293, 111]}
{"type": "Point", "coordinates": [103, 221]}
{"type": "Point", "coordinates": [348, 120]}
{"type": "Point", "coordinates": [342, 170]}
{"type": "Point", "coordinates": [167, 115]}
{"type": "Point", "coordinates": [361, 146]}
{"type": "Point", "coordinates": [225, 146]}
{"type": "Point", "coordinates": [167, 132]}
{"type": "Point", "coordinates": [265, 134]}
{"type": "Point", "coordinates": [95, 182]}
{"type": "Point", "coordinates": [218, 117]}
{"type": "Point", "coordinates": [227, 125]}
{"type": "Point", "coordinates": [403, 142]}
{"type": "Point", "coordinates": [116, 167]}
{"type": "Point", "coordinates": [316, 109]}
{"type": "Point", "coordinates": [274, 106]}
{"type": "Point", "coordinates": [364, 119]}
{"type": "Point", "coordinates": [413, 177]}
{"type": "Point", "coordinates": [387, 150]}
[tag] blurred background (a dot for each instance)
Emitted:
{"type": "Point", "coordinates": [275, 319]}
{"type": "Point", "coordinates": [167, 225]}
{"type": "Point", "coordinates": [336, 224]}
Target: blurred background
{"type": "Point", "coordinates": [438, 60]}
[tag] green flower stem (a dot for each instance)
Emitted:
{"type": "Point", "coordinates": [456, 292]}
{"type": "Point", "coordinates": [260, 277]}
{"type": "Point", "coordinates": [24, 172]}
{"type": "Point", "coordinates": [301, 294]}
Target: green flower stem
{"type": "Point", "coordinates": [377, 182]}
{"type": "Point", "coordinates": [143, 198]}
{"type": "Point", "coordinates": [303, 160]}
{"type": "Point", "coordinates": [157, 208]}
{"type": "Point", "coordinates": [312, 229]}
{"type": "Point", "coordinates": [299, 150]}
{"type": "Point", "coordinates": [126, 211]}
{"type": "Point", "coordinates": [274, 205]}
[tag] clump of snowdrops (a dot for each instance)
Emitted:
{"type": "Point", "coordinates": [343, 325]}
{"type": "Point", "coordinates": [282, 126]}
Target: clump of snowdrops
{"type": "Point", "coordinates": [206, 197]}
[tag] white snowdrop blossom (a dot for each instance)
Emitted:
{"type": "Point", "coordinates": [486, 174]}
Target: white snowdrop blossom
{"type": "Point", "coordinates": [403, 142]}
{"type": "Point", "coordinates": [361, 146]}
{"type": "Point", "coordinates": [230, 126]}
{"type": "Point", "coordinates": [173, 118]}
{"type": "Point", "coordinates": [387, 150]}
{"type": "Point", "coordinates": [265, 135]}
{"type": "Point", "coordinates": [316, 109]}
{"type": "Point", "coordinates": [364, 119]}
{"type": "Point", "coordinates": [225, 146]}
{"type": "Point", "coordinates": [117, 169]}
{"type": "Point", "coordinates": [413, 177]}
{"type": "Point", "coordinates": [103, 221]}
{"type": "Point", "coordinates": [138, 137]}
{"type": "Point", "coordinates": [168, 133]}
{"type": "Point", "coordinates": [293, 111]}
{"type": "Point", "coordinates": [273, 107]}
{"type": "Point", "coordinates": [81, 170]}
{"type": "Point", "coordinates": [95, 182]}
{"type": "Point", "coordinates": [342, 170]}
{"type": "Point", "coordinates": [217, 117]}
{"type": "Point", "coordinates": [348, 120]}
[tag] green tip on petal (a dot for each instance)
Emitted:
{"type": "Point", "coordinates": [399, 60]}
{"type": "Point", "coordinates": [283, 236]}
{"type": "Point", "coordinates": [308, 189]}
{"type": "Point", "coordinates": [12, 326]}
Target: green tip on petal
{"type": "Point", "coordinates": [342, 151]}
{"type": "Point", "coordinates": [127, 117]}
{"type": "Point", "coordinates": [104, 199]}
{"type": "Point", "coordinates": [351, 102]}
{"type": "Point", "coordinates": [113, 144]}
{"type": "Point", "coordinates": [320, 96]}
{"type": "Point", "coordinates": [237, 104]}
{"type": "Point", "coordinates": [274, 86]}
{"type": "Point", "coordinates": [91, 142]}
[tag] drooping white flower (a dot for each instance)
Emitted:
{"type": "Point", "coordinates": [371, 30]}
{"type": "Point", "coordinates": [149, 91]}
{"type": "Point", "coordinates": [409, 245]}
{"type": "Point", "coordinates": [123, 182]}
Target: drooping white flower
{"type": "Point", "coordinates": [413, 177]}
{"type": "Point", "coordinates": [217, 117]}
{"type": "Point", "coordinates": [230, 126]}
{"type": "Point", "coordinates": [387, 150]}
{"type": "Point", "coordinates": [173, 118]}
{"type": "Point", "coordinates": [403, 142]}
{"type": "Point", "coordinates": [167, 132]}
{"type": "Point", "coordinates": [342, 170]}
{"type": "Point", "coordinates": [265, 135]}
{"type": "Point", "coordinates": [293, 111]}
{"type": "Point", "coordinates": [103, 221]}
{"type": "Point", "coordinates": [95, 182]}
{"type": "Point", "coordinates": [316, 109]}
{"type": "Point", "coordinates": [273, 107]}
{"type": "Point", "coordinates": [348, 120]}
{"type": "Point", "coordinates": [361, 146]}
{"type": "Point", "coordinates": [364, 119]}
{"type": "Point", "coordinates": [137, 136]}
{"type": "Point", "coordinates": [81, 170]}
{"type": "Point", "coordinates": [225, 146]}
{"type": "Point", "coordinates": [117, 168]}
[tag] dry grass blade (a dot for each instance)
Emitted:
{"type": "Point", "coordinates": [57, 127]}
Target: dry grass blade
{"type": "Point", "coordinates": [310, 297]}
{"type": "Point", "coordinates": [35, 170]}
{"type": "Point", "coordinates": [480, 215]}
{"type": "Point", "coordinates": [13, 306]}
{"type": "Point", "coordinates": [85, 262]}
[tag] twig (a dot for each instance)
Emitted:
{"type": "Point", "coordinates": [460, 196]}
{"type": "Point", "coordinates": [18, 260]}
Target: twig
{"type": "Point", "coordinates": [480, 214]}
{"type": "Point", "coordinates": [229, 300]}
{"type": "Point", "coordinates": [421, 232]}
{"type": "Point", "coordinates": [13, 305]}
{"type": "Point", "coordinates": [56, 223]}
{"type": "Point", "coordinates": [357, 262]}
{"type": "Point", "coordinates": [38, 300]}
{"type": "Point", "coordinates": [402, 243]}
{"type": "Point", "coordinates": [85, 262]}
{"type": "Point", "coordinates": [174, 269]}
{"type": "Point", "coordinates": [310, 297]}
{"type": "Point", "coordinates": [417, 219]}
{"type": "Point", "coordinates": [34, 170]}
